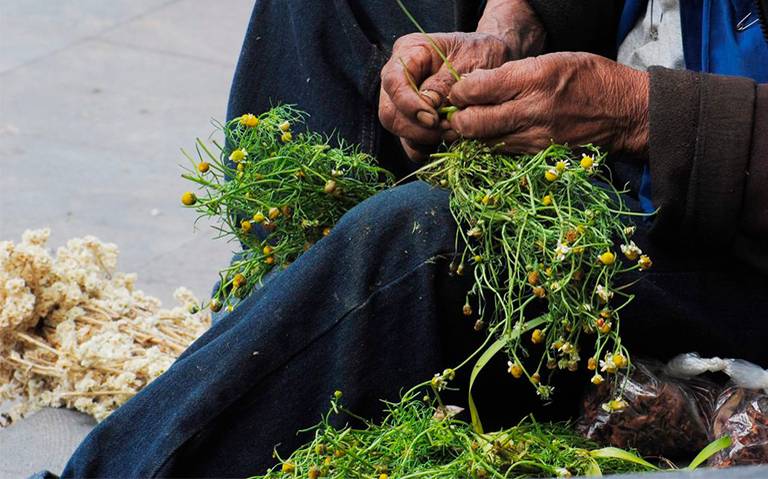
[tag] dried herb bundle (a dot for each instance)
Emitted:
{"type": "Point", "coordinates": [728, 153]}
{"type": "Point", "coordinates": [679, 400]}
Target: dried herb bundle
{"type": "Point", "coordinates": [75, 333]}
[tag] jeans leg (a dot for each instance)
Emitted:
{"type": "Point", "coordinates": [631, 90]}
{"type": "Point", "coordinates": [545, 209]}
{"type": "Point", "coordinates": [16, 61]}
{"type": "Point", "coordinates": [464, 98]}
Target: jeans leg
{"type": "Point", "coordinates": [369, 310]}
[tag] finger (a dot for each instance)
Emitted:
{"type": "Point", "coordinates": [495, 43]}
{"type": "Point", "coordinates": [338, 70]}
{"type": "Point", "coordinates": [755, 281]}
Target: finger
{"type": "Point", "coordinates": [415, 151]}
{"type": "Point", "coordinates": [449, 136]}
{"type": "Point", "coordinates": [394, 121]}
{"type": "Point", "coordinates": [440, 83]}
{"type": "Point", "coordinates": [531, 140]}
{"type": "Point", "coordinates": [491, 121]}
{"type": "Point", "coordinates": [494, 86]}
{"type": "Point", "coordinates": [398, 78]}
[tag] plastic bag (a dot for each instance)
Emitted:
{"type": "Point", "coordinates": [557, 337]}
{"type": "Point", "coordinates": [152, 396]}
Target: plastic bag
{"type": "Point", "coordinates": [743, 373]}
{"type": "Point", "coordinates": [664, 416]}
{"type": "Point", "coordinates": [741, 414]}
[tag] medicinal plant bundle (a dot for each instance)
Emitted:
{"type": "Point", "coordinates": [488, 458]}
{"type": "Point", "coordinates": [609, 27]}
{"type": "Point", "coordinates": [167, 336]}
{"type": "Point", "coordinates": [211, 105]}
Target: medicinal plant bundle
{"type": "Point", "coordinates": [546, 237]}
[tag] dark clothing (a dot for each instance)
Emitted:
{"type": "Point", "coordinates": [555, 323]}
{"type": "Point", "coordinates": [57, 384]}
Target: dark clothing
{"type": "Point", "coordinates": [371, 309]}
{"type": "Point", "coordinates": [709, 135]}
{"type": "Point", "coordinates": [708, 141]}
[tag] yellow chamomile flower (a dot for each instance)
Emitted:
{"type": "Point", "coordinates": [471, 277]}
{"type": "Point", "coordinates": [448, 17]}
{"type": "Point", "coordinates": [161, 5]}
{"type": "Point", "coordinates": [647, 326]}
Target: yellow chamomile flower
{"type": "Point", "coordinates": [614, 405]}
{"type": "Point", "coordinates": [547, 200]}
{"type": "Point", "coordinates": [274, 213]}
{"type": "Point", "coordinates": [250, 120]}
{"type": "Point", "coordinates": [267, 250]}
{"type": "Point", "coordinates": [561, 166]}
{"type": "Point", "coordinates": [238, 155]}
{"type": "Point", "coordinates": [238, 280]}
{"type": "Point", "coordinates": [188, 198]}
{"type": "Point", "coordinates": [551, 174]}
{"type": "Point", "coordinates": [644, 262]}
{"type": "Point", "coordinates": [597, 379]}
{"type": "Point", "coordinates": [286, 137]}
{"type": "Point", "coordinates": [259, 217]}
{"type": "Point", "coordinates": [284, 126]}
{"type": "Point", "coordinates": [620, 360]}
{"type": "Point", "coordinates": [514, 369]}
{"type": "Point", "coordinates": [607, 258]}
{"type": "Point", "coordinates": [288, 468]}
{"type": "Point", "coordinates": [587, 162]}
{"type": "Point", "coordinates": [245, 226]}
{"type": "Point", "coordinates": [537, 336]}
{"type": "Point", "coordinates": [631, 251]}
{"type": "Point", "coordinates": [203, 167]}
{"type": "Point", "coordinates": [215, 305]}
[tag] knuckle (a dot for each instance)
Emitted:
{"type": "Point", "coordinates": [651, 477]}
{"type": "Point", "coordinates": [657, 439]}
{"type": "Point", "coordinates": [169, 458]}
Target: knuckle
{"type": "Point", "coordinates": [406, 41]}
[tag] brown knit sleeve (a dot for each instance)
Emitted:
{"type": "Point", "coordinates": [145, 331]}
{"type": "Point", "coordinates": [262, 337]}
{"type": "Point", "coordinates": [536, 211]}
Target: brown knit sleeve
{"type": "Point", "coordinates": [701, 129]}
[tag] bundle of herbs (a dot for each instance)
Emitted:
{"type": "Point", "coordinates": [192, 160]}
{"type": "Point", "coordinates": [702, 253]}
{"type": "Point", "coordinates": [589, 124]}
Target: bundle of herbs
{"type": "Point", "coordinates": [540, 234]}
{"type": "Point", "coordinates": [275, 193]}
{"type": "Point", "coordinates": [544, 238]}
{"type": "Point", "coordinates": [420, 437]}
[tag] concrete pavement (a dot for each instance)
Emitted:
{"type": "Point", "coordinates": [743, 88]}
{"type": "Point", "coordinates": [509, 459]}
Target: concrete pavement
{"type": "Point", "coordinates": [96, 98]}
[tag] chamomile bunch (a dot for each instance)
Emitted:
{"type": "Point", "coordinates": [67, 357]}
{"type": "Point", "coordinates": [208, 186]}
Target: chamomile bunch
{"type": "Point", "coordinates": [547, 239]}
{"type": "Point", "coordinates": [276, 189]}
{"type": "Point", "coordinates": [420, 436]}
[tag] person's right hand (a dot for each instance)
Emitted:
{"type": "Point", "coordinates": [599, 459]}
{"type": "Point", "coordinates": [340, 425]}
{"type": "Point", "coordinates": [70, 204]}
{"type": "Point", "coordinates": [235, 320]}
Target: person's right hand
{"type": "Point", "coordinates": [412, 115]}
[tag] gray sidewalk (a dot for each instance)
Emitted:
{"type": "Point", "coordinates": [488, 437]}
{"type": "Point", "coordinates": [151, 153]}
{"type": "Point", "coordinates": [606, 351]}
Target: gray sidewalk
{"type": "Point", "coordinates": [96, 98]}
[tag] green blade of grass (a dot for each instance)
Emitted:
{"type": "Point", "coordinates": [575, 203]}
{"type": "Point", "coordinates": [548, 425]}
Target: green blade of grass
{"type": "Point", "coordinates": [479, 365]}
{"type": "Point", "coordinates": [621, 454]}
{"type": "Point", "coordinates": [438, 50]}
{"type": "Point", "coordinates": [710, 450]}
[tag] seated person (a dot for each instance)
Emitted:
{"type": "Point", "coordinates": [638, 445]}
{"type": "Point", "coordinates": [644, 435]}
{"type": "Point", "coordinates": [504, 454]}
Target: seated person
{"type": "Point", "coordinates": [373, 313]}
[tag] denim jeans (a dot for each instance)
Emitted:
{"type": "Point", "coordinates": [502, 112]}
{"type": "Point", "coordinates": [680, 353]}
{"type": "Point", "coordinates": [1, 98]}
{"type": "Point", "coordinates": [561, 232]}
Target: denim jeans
{"type": "Point", "coordinates": [371, 309]}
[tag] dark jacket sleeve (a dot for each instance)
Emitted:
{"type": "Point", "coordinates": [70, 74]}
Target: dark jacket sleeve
{"type": "Point", "coordinates": [580, 25]}
{"type": "Point", "coordinates": [708, 158]}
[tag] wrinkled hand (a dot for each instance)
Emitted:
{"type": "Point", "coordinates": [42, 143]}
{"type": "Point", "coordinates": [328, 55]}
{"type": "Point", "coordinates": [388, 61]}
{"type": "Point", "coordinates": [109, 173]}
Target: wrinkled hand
{"type": "Point", "coordinates": [413, 116]}
{"type": "Point", "coordinates": [573, 98]}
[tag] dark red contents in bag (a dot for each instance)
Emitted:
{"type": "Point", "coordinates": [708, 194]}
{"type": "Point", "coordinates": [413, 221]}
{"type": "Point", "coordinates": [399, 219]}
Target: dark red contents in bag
{"type": "Point", "coordinates": [664, 417]}
{"type": "Point", "coordinates": [743, 415]}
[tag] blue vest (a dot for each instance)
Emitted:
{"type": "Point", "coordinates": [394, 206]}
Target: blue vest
{"type": "Point", "coordinates": [719, 36]}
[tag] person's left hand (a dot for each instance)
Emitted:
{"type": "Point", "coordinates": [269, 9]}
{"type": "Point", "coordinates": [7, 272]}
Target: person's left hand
{"type": "Point", "coordinates": [573, 98]}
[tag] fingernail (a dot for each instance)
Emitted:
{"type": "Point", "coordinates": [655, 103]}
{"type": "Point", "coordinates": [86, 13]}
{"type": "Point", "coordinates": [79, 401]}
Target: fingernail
{"type": "Point", "coordinates": [426, 118]}
{"type": "Point", "coordinates": [432, 97]}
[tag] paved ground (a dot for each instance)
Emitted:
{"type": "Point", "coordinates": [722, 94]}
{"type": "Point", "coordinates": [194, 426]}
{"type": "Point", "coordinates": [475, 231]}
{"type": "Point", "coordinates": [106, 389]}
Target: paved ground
{"type": "Point", "coordinates": [96, 98]}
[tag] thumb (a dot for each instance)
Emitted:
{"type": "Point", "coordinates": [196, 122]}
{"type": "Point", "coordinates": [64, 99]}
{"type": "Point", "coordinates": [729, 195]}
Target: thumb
{"type": "Point", "coordinates": [490, 87]}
